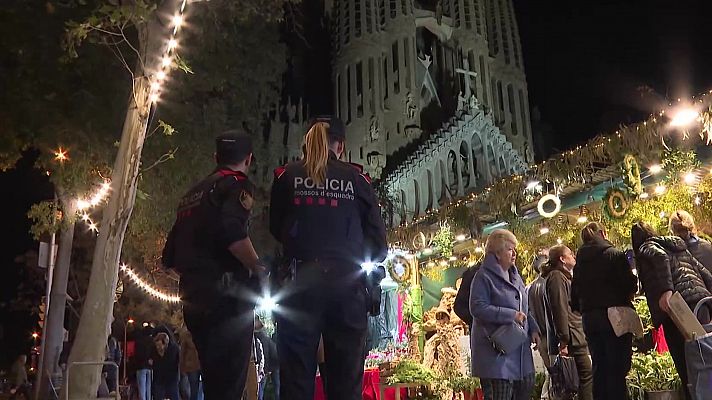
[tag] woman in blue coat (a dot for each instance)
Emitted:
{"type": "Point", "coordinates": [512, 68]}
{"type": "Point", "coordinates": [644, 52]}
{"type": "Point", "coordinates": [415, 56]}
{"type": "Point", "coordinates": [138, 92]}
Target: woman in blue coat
{"type": "Point", "coordinates": [498, 297]}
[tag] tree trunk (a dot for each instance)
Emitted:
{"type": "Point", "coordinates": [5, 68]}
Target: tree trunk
{"type": "Point", "coordinates": [54, 334]}
{"type": "Point", "coordinates": [97, 313]}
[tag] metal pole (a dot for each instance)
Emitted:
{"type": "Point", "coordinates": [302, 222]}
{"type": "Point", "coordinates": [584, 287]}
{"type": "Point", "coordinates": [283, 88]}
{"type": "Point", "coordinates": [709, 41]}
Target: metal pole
{"type": "Point", "coordinates": [126, 347]}
{"type": "Point", "coordinates": [50, 271]}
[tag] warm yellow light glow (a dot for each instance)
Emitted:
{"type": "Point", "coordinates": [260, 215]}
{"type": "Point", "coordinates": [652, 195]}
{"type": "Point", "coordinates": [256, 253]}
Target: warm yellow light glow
{"type": "Point", "coordinates": [155, 86]}
{"type": "Point", "coordinates": [684, 117]}
{"type": "Point", "coordinates": [453, 258]}
{"type": "Point", "coordinates": [172, 44]}
{"type": "Point", "coordinates": [431, 264]}
{"type": "Point", "coordinates": [582, 219]}
{"type": "Point", "coordinates": [655, 168]}
{"type": "Point", "coordinates": [130, 321]}
{"type": "Point", "coordinates": [61, 155]}
{"type": "Point", "coordinates": [178, 20]}
{"type": "Point", "coordinates": [460, 238]}
{"type": "Point", "coordinates": [559, 241]}
{"type": "Point", "coordinates": [544, 230]}
{"type": "Point", "coordinates": [93, 227]}
{"type": "Point", "coordinates": [35, 335]}
{"type": "Point", "coordinates": [166, 61]}
{"type": "Point", "coordinates": [660, 189]}
{"type": "Point", "coordinates": [82, 204]}
{"type": "Point", "coordinates": [644, 195]}
{"type": "Point", "coordinates": [160, 75]}
{"type": "Point", "coordinates": [153, 98]}
{"type": "Point", "coordinates": [478, 250]}
{"type": "Point", "coordinates": [690, 178]}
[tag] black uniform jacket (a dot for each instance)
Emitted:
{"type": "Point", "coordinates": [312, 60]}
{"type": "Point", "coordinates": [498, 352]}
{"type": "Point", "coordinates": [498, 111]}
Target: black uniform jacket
{"type": "Point", "coordinates": [211, 216]}
{"type": "Point", "coordinates": [337, 220]}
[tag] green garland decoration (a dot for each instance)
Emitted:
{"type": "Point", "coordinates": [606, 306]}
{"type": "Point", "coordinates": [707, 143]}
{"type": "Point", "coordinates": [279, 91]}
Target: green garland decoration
{"type": "Point", "coordinates": [615, 203]}
{"type": "Point", "coordinates": [631, 175]}
{"type": "Point", "coordinates": [444, 240]}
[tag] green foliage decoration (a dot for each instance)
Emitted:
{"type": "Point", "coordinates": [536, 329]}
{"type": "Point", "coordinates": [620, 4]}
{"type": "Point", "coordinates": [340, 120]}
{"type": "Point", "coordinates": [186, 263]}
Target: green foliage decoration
{"type": "Point", "coordinates": [652, 372]}
{"type": "Point", "coordinates": [641, 308]}
{"type": "Point", "coordinates": [444, 240]}
{"type": "Point", "coordinates": [677, 162]}
{"type": "Point", "coordinates": [409, 371]}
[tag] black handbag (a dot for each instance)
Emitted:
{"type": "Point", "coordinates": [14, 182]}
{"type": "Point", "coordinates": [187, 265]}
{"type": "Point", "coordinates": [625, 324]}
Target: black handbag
{"type": "Point", "coordinates": [508, 337]}
{"type": "Point", "coordinates": [564, 378]}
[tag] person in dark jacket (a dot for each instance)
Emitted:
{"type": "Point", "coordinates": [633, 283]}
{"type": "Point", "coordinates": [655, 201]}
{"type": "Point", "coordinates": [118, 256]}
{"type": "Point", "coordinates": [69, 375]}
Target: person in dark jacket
{"type": "Point", "coordinates": [326, 215]}
{"type": "Point", "coordinates": [665, 266]}
{"type": "Point", "coordinates": [604, 279]}
{"type": "Point", "coordinates": [564, 326]}
{"type": "Point", "coordinates": [461, 307]}
{"type": "Point", "coordinates": [165, 368]}
{"type": "Point", "coordinates": [143, 362]}
{"type": "Point", "coordinates": [683, 225]}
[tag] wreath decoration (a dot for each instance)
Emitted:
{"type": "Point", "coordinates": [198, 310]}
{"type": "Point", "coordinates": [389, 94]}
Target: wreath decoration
{"type": "Point", "coordinates": [632, 174]}
{"type": "Point", "coordinates": [399, 269]}
{"type": "Point", "coordinates": [545, 199]}
{"type": "Point", "coordinates": [615, 203]}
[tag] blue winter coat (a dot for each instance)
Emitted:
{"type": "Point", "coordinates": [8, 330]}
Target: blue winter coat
{"type": "Point", "coordinates": [494, 300]}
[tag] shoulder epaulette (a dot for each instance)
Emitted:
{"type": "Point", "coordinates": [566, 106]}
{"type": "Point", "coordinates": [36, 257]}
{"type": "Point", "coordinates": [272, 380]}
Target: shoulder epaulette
{"type": "Point", "coordinates": [279, 171]}
{"type": "Point", "coordinates": [358, 167]}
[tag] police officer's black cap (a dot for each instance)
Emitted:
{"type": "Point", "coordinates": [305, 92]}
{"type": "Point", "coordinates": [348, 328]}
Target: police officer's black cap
{"type": "Point", "coordinates": [232, 147]}
{"type": "Point", "coordinates": [337, 129]}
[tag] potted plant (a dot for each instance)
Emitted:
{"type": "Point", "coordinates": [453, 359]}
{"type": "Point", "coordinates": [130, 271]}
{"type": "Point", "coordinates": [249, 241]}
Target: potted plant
{"type": "Point", "coordinates": [467, 386]}
{"type": "Point", "coordinates": [653, 377]}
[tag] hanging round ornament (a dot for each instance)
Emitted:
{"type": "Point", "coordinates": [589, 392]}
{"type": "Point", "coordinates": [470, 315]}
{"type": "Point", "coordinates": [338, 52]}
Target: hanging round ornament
{"type": "Point", "coordinates": [542, 203]}
{"type": "Point", "coordinates": [420, 241]}
{"type": "Point", "coordinates": [615, 203]}
{"type": "Point", "coordinates": [399, 269]}
{"type": "Point", "coordinates": [632, 174]}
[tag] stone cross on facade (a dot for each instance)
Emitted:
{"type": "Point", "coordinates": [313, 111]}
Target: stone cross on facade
{"type": "Point", "coordinates": [465, 70]}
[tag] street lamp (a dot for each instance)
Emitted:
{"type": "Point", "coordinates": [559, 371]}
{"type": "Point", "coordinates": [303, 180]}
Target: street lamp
{"type": "Point", "coordinates": [126, 347]}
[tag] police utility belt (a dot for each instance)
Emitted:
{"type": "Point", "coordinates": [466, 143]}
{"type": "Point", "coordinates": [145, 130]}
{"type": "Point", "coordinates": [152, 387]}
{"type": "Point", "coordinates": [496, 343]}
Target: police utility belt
{"type": "Point", "coordinates": [372, 279]}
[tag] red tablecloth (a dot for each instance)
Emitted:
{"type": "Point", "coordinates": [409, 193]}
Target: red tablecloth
{"type": "Point", "coordinates": [371, 379]}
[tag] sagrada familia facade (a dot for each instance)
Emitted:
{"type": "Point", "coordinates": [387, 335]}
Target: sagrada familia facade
{"type": "Point", "coordinates": [433, 95]}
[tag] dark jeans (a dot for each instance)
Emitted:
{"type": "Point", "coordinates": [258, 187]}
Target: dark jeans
{"type": "Point", "coordinates": [611, 356]}
{"type": "Point", "coordinates": [328, 300]}
{"type": "Point", "coordinates": [676, 345]}
{"type": "Point", "coordinates": [503, 389]}
{"type": "Point", "coordinates": [222, 331]}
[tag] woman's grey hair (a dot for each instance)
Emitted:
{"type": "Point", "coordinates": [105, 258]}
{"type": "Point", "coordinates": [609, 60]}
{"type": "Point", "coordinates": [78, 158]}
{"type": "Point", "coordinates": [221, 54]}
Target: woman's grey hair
{"type": "Point", "coordinates": [498, 239]}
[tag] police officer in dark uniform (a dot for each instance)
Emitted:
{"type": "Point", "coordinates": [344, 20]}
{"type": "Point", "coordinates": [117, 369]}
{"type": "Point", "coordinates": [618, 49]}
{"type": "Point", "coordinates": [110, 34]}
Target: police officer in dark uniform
{"type": "Point", "coordinates": [326, 215]}
{"type": "Point", "coordinates": [210, 248]}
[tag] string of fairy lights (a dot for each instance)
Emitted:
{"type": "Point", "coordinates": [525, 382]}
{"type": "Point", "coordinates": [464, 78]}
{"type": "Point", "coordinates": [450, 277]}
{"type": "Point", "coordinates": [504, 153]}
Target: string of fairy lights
{"type": "Point", "coordinates": [147, 287]}
{"type": "Point", "coordinates": [85, 205]}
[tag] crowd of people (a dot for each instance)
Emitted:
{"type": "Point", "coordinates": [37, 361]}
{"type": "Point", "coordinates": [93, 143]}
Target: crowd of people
{"type": "Point", "coordinates": [165, 364]}
{"type": "Point", "coordinates": [565, 311]}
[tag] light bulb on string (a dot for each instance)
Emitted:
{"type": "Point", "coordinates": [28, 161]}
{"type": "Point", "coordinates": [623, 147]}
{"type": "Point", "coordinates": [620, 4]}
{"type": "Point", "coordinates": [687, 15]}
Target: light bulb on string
{"type": "Point", "coordinates": [61, 155]}
{"type": "Point", "coordinates": [172, 44]}
{"type": "Point", "coordinates": [655, 169]}
{"type": "Point", "coordinates": [177, 21]}
{"type": "Point", "coordinates": [690, 178]}
{"type": "Point", "coordinates": [160, 75]}
{"type": "Point", "coordinates": [660, 189]}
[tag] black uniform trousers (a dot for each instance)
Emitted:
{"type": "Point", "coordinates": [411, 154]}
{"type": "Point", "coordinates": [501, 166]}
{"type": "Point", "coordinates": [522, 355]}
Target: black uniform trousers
{"type": "Point", "coordinates": [222, 328]}
{"type": "Point", "coordinates": [326, 299]}
{"type": "Point", "coordinates": [611, 356]}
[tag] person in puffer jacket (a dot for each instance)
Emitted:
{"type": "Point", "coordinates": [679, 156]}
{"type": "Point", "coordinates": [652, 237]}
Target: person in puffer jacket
{"type": "Point", "coordinates": [666, 266]}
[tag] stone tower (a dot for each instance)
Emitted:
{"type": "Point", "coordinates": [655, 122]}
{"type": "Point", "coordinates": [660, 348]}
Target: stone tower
{"type": "Point", "coordinates": [392, 59]}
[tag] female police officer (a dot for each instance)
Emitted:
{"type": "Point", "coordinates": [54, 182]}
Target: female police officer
{"type": "Point", "coordinates": [325, 214]}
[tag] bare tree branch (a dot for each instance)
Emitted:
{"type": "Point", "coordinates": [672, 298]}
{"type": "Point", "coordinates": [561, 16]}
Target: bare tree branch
{"type": "Point", "coordinates": [168, 156]}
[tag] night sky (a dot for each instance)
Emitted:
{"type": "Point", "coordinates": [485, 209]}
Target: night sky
{"type": "Point", "coordinates": [592, 65]}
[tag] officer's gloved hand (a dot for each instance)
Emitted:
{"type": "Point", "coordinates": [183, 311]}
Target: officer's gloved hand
{"type": "Point", "coordinates": [377, 274]}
